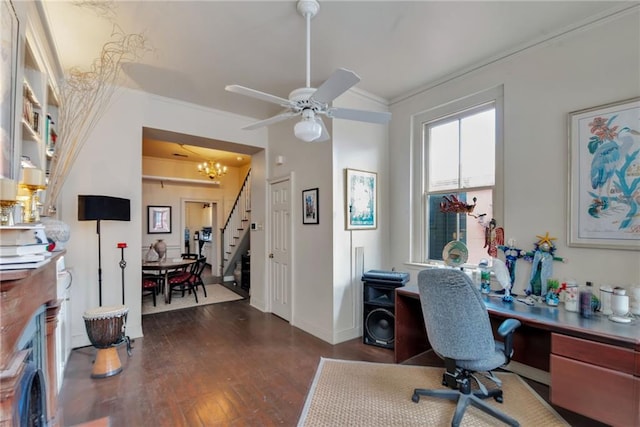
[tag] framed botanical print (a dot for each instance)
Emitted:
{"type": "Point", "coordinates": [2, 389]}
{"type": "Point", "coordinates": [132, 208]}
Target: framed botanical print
{"type": "Point", "coordinates": [361, 200]}
{"type": "Point", "coordinates": [604, 176]}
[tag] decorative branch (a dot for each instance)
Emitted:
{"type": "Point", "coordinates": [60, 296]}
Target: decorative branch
{"type": "Point", "coordinates": [84, 97]}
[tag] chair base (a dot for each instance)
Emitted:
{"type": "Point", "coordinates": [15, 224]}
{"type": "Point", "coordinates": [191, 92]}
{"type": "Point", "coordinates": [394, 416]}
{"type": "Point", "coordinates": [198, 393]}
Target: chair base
{"type": "Point", "coordinates": [459, 381]}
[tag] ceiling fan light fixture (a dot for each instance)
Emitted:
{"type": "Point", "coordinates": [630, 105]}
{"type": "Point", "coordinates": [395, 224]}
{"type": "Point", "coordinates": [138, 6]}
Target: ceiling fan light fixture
{"type": "Point", "coordinates": [307, 129]}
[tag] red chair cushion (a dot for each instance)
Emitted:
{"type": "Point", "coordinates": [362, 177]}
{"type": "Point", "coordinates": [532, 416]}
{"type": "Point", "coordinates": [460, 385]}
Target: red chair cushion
{"type": "Point", "coordinates": [179, 278]}
{"type": "Point", "coordinates": [148, 284]}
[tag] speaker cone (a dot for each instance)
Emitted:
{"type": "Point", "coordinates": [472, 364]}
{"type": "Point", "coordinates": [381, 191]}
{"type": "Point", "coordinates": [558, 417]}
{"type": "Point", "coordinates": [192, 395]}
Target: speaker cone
{"type": "Point", "coordinates": [379, 326]}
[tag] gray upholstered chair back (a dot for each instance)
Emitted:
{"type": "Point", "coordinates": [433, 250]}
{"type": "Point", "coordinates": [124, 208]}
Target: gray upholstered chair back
{"type": "Point", "coordinates": [455, 316]}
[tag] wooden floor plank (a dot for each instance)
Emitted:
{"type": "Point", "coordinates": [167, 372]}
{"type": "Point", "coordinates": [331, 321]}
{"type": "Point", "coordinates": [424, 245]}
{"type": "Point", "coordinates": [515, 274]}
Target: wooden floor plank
{"type": "Point", "coordinates": [220, 364]}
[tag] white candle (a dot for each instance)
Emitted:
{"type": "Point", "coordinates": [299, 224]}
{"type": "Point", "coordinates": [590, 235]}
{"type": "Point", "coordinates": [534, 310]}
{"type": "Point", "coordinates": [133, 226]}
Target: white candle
{"type": "Point", "coordinates": [32, 176]}
{"type": "Point", "coordinates": [8, 189]}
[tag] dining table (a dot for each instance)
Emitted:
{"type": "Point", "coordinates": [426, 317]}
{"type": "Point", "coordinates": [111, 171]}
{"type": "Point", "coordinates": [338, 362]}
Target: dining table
{"type": "Point", "coordinates": [165, 267]}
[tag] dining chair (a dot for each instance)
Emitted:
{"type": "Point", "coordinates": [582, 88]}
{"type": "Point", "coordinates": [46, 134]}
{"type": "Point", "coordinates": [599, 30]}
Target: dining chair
{"type": "Point", "coordinates": [188, 281]}
{"type": "Point", "coordinates": [151, 285]}
{"type": "Point", "coordinates": [202, 264]}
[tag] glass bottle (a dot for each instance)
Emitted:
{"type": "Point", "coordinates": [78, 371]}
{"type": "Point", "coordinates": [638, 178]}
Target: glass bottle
{"type": "Point", "coordinates": [586, 309]}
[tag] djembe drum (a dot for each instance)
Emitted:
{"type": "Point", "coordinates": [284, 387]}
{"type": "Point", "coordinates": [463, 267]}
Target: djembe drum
{"type": "Point", "coordinates": [106, 329]}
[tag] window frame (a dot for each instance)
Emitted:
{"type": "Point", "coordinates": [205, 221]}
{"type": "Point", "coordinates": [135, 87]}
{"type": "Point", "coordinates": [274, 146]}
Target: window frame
{"type": "Point", "coordinates": [419, 223]}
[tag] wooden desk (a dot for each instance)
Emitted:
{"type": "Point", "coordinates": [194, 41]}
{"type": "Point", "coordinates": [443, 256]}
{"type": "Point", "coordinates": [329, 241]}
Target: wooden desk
{"type": "Point", "coordinates": [594, 363]}
{"type": "Point", "coordinates": [165, 267]}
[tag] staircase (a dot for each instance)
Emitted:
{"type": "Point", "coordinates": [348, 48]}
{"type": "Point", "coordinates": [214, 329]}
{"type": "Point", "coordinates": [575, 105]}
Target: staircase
{"type": "Point", "coordinates": [235, 234]}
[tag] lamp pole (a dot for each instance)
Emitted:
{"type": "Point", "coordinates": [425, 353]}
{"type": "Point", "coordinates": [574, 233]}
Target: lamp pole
{"type": "Point", "coordinates": [99, 264]}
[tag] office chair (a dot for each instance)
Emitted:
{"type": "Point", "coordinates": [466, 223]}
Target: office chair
{"type": "Point", "coordinates": [460, 332]}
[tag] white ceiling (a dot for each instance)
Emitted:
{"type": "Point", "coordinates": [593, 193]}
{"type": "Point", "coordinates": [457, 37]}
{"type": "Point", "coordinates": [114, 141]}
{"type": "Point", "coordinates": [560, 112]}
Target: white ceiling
{"type": "Point", "coordinates": [396, 47]}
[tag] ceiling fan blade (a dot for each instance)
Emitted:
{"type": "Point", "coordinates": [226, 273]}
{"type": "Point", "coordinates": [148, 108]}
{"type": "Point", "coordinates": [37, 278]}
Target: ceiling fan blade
{"type": "Point", "coordinates": [325, 133]}
{"type": "Point", "coordinates": [259, 95]}
{"type": "Point", "coordinates": [275, 119]}
{"type": "Point", "coordinates": [337, 84]}
{"type": "Point", "coordinates": [359, 115]}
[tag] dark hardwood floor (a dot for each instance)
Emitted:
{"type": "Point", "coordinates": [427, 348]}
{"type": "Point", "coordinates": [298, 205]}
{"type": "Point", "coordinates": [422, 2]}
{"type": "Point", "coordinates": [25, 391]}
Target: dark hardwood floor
{"type": "Point", "coordinates": [222, 364]}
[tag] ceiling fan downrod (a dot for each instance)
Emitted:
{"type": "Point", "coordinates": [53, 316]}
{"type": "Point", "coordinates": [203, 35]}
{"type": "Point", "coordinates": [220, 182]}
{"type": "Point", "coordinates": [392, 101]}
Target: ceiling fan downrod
{"type": "Point", "coordinates": [308, 9]}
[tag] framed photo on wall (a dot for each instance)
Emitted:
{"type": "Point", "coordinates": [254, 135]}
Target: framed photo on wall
{"type": "Point", "coordinates": [361, 200]}
{"type": "Point", "coordinates": [310, 206]}
{"type": "Point", "coordinates": [158, 219]}
{"type": "Point", "coordinates": [604, 176]}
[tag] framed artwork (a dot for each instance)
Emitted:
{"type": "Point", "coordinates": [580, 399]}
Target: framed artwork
{"type": "Point", "coordinates": [362, 199]}
{"type": "Point", "coordinates": [8, 62]}
{"type": "Point", "coordinates": [158, 219]}
{"type": "Point", "coordinates": [604, 176]}
{"type": "Point", "coordinates": [310, 206]}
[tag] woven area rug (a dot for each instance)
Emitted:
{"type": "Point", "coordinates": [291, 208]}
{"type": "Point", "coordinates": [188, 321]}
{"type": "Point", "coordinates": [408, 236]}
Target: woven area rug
{"type": "Point", "coordinates": [348, 393]}
{"type": "Point", "coordinates": [215, 293]}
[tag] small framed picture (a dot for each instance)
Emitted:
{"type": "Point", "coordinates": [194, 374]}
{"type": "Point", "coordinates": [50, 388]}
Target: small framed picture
{"type": "Point", "coordinates": [158, 219]}
{"type": "Point", "coordinates": [361, 203]}
{"type": "Point", "coordinates": [310, 206]}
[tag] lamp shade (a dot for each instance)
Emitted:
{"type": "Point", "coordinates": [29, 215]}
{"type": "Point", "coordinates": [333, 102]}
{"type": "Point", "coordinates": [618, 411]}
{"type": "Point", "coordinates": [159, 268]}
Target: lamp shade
{"type": "Point", "coordinates": [91, 208]}
{"type": "Point", "coordinates": [307, 130]}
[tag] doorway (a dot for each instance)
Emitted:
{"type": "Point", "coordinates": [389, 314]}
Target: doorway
{"type": "Point", "coordinates": [201, 231]}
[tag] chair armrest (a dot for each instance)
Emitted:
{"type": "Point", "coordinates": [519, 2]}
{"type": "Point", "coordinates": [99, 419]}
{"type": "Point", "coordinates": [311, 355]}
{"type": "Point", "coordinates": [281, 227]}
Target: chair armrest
{"type": "Point", "coordinates": [506, 330]}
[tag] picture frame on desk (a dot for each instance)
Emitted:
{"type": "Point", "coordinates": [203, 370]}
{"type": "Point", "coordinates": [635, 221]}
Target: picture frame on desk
{"type": "Point", "coordinates": [604, 175]}
{"type": "Point", "coordinates": [9, 33]}
{"type": "Point", "coordinates": [361, 200]}
{"type": "Point", "coordinates": [158, 219]}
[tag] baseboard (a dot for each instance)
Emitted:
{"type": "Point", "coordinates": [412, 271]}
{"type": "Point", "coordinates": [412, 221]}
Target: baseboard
{"type": "Point", "coordinates": [534, 374]}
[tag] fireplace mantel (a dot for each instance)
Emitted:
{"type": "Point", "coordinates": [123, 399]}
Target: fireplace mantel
{"type": "Point", "coordinates": [22, 293]}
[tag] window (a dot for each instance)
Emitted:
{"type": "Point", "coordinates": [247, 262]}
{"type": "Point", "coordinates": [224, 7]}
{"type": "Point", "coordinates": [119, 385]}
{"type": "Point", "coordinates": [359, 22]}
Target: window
{"type": "Point", "coordinates": [460, 148]}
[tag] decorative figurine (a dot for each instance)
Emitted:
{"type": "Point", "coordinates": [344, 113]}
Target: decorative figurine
{"type": "Point", "coordinates": [452, 204]}
{"type": "Point", "coordinates": [493, 236]}
{"type": "Point", "coordinates": [502, 276]}
{"type": "Point", "coordinates": [542, 265]}
{"type": "Point", "coordinates": [553, 295]}
{"type": "Point", "coordinates": [511, 255]}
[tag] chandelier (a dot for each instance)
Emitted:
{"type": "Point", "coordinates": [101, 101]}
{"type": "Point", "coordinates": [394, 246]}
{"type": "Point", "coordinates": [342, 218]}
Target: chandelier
{"type": "Point", "coordinates": [212, 169]}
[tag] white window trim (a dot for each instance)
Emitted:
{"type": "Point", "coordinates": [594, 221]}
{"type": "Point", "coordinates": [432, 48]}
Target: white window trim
{"type": "Point", "coordinates": [418, 179]}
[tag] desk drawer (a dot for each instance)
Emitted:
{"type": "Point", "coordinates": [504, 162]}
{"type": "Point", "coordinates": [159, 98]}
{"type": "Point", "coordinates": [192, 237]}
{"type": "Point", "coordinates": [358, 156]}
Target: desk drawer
{"type": "Point", "coordinates": [602, 394]}
{"type": "Point", "coordinates": [605, 355]}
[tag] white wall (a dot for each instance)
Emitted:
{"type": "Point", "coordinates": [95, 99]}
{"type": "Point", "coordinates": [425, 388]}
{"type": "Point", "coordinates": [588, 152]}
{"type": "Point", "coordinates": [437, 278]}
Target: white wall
{"type": "Point", "coordinates": [110, 164]}
{"type": "Point", "coordinates": [327, 291]}
{"type": "Point", "coordinates": [361, 146]}
{"type": "Point", "coordinates": [312, 267]}
{"type": "Point", "coordinates": [590, 67]}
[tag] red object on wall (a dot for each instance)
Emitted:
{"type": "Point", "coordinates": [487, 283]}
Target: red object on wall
{"type": "Point", "coordinates": [122, 245]}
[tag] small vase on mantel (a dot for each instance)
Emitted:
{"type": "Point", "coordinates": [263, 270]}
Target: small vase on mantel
{"type": "Point", "coordinates": [161, 249]}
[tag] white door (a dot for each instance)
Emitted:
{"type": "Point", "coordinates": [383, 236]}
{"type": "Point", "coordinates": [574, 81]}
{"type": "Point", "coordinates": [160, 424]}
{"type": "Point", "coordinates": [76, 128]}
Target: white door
{"type": "Point", "coordinates": [280, 252]}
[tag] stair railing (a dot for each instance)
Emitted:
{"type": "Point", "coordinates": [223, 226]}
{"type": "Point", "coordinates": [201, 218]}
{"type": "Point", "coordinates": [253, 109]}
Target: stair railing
{"type": "Point", "coordinates": [237, 223]}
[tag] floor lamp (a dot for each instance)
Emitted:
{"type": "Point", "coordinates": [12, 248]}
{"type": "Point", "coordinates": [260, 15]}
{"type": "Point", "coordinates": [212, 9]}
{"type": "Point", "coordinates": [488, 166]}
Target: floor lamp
{"type": "Point", "coordinates": [100, 208]}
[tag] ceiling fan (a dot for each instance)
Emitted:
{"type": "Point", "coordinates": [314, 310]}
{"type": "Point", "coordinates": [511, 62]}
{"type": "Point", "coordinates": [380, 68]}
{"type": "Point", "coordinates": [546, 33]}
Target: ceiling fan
{"type": "Point", "coordinates": [311, 103]}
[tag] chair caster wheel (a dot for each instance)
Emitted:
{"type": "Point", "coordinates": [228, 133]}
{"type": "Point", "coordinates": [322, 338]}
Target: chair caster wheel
{"type": "Point", "coordinates": [415, 398]}
{"type": "Point", "coordinates": [498, 399]}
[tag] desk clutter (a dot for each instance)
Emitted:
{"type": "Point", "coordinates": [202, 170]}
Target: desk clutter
{"type": "Point", "coordinates": [618, 304]}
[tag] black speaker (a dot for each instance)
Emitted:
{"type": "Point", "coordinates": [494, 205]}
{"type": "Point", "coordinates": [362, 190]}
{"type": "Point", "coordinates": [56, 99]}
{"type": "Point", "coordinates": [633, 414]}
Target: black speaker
{"type": "Point", "coordinates": [379, 301]}
{"type": "Point", "coordinates": [379, 326]}
{"type": "Point", "coordinates": [91, 208]}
